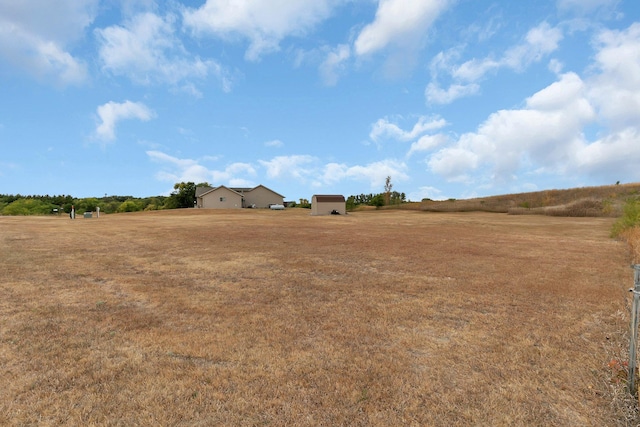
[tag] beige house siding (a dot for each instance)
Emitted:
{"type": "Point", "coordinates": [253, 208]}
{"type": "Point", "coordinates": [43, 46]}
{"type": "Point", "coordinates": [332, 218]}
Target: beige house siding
{"type": "Point", "coordinates": [220, 198]}
{"type": "Point", "coordinates": [234, 198]}
{"type": "Point", "coordinates": [325, 204]}
{"type": "Point", "coordinates": [262, 197]}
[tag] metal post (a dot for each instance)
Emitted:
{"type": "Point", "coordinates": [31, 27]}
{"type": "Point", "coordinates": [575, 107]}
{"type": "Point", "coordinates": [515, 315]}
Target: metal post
{"type": "Point", "coordinates": [633, 342]}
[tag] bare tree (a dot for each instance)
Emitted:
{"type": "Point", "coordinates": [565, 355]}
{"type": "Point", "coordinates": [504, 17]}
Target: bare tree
{"type": "Point", "coordinates": [387, 190]}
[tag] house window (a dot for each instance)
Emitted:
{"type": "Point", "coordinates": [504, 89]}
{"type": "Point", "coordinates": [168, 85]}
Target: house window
{"type": "Point", "coordinates": [223, 199]}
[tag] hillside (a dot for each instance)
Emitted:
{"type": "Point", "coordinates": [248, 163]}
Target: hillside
{"type": "Point", "coordinates": [586, 201]}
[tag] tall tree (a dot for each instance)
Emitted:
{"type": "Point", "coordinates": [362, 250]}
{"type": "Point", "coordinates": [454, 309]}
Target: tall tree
{"type": "Point", "coordinates": [184, 195]}
{"type": "Point", "coordinates": [387, 190]}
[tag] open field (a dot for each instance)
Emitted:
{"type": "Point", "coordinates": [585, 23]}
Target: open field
{"type": "Point", "coordinates": [257, 317]}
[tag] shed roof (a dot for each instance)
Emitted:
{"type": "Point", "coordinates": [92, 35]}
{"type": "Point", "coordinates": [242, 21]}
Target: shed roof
{"type": "Point", "coordinates": [329, 198]}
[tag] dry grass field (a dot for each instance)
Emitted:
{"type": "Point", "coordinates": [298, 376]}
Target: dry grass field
{"type": "Point", "coordinates": [601, 201]}
{"type": "Point", "coordinates": [257, 317]}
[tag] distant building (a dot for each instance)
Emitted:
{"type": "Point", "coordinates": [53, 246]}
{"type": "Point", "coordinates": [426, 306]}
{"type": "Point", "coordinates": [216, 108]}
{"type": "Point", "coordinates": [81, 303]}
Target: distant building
{"type": "Point", "coordinates": [327, 204]}
{"type": "Point", "coordinates": [222, 197]}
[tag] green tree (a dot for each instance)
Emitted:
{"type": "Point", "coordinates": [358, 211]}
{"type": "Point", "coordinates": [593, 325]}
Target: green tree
{"type": "Point", "coordinates": [110, 206]}
{"type": "Point", "coordinates": [130, 206]}
{"type": "Point", "coordinates": [86, 205]}
{"type": "Point", "coordinates": [28, 207]}
{"type": "Point", "coordinates": [397, 198]}
{"type": "Point", "coordinates": [304, 203]}
{"type": "Point", "coordinates": [377, 200]}
{"type": "Point", "coordinates": [351, 203]}
{"type": "Point", "coordinates": [184, 195]}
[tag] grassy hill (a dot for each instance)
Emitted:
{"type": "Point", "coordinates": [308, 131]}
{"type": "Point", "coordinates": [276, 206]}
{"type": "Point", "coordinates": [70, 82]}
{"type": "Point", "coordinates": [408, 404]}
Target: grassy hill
{"type": "Point", "coordinates": [605, 201]}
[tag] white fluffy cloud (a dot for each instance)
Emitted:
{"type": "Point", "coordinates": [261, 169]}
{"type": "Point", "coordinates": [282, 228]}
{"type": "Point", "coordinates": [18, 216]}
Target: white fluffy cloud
{"type": "Point", "coordinates": [427, 143]}
{"type": "Point", "coordinates": [265, 23]}
{"type": "Point", "coordinates": [616, 154]}
{"type": "Point", "coordinates": [112, 112]}
{"type": "Point", "coordinates": [334, 63]}
{"type": "Point", "coordinates": [436, 95]}
{"type": "Point", "coordinates": [147, 50]}
{"type": "Point", "coordinates": [398, 22]}
{"type": "Point", "coordinates": [548, 134]}
{"type": "Point", "coordinates": [35, 35]}
{"type": "Point", "coordinates": [374, 173]}
{"type": "Point", "coordinates": [539, 42]}
{"type": "Point", "coordinates": [298, 167]}
{"type": "Point", "coordinates": [383, 128]}
{"type": "Point", "coordinates": [615, 92]}
{"type": "Point", "coordinates": [303, 169]}
{"type": "Point", "coordinates": [616, 87]}
{"type": "Point", "coordinates": [455, 163]}
{"type": "Point", "coordinates": [191, 170]}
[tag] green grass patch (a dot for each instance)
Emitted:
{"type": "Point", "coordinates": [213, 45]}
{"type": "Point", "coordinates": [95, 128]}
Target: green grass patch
{"type": "Point", "coordinates": [630, 217]}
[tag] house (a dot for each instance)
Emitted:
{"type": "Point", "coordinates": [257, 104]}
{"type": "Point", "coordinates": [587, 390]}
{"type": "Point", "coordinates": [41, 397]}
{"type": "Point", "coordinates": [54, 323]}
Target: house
{"type": "Point", "coordinates": [222, 197]}
{"type": "Point", "coordinates": [325, 204]}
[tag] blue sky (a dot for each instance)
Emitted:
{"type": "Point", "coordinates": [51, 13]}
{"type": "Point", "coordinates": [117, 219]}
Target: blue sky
{"type": "Point", "coordinates": [450, 98]}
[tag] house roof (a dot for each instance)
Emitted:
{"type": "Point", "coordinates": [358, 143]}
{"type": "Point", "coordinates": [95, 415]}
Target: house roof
{"type": "Point", "coordinates": [201, 191]}
{"type": "Point", "coordinates": [329, 198]}
{"type": "Point", "coordinates": [266, 188]}
{"type": "Point", "coordinates": [207, 190]}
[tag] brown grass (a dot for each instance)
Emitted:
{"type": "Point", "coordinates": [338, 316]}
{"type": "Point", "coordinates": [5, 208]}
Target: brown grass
{"type": "Point", "coordinates": [256, 317]}
{"type": "Point", "coordinates": [632, 236]}
{"type": "Point", "coordinates": [602, 201]}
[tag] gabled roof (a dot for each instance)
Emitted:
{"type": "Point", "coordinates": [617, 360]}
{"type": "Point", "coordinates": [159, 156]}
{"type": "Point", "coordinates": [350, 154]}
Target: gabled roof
{"type": "Point", "coordinates": [210, 190]}
{"type": "Point", "coordinates": [328, 198]}
{"type": "Point", "coordinates": [266, 188]}
{"type": "Point", "coordinates": [201, 191]}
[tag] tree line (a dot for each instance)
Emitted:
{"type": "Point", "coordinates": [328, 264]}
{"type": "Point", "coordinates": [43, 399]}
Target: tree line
{"type": "Point", "coordinates": [18, 204]}
{"type": "Point", "coordinates": [377, 200]}
{"type": "Point", "coordinates": [183, 196]}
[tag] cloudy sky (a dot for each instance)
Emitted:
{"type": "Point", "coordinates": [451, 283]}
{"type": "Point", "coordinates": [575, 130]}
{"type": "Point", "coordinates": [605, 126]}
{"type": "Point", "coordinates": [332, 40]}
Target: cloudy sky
{"type": "Point", "coordinates": [450, 98]}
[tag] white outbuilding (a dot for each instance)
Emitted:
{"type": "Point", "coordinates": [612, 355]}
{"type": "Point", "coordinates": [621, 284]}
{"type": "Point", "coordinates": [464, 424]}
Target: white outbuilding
{"type": "Point", "coordinates": [327, 204]}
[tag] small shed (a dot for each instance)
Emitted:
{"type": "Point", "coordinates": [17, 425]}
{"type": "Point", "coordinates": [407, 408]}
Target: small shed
{"type": "Point", "coordinates": [326, 204]}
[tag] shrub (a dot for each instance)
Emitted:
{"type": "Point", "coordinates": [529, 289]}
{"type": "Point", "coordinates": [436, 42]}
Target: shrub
{"type": "Point", "coordinates": [28, 207]}
{"type": "Point", "coordinates": [630, 217]}
{"type": "Point", "coordinates": [130, 206]}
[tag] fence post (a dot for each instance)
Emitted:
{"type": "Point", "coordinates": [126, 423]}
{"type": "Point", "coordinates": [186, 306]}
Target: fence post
{"type": "Point", "coordinates": [633, 341]}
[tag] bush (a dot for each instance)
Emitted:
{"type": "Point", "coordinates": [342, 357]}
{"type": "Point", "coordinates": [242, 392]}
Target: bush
{"type": "Point", "coordinates": [377, 201]}
{"type": "Point", "coordinates": [28, 207]}
{"type": "Point", "coordinates": [629, 219]}
{"type": "Point", "coordinates": [130, 206]}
